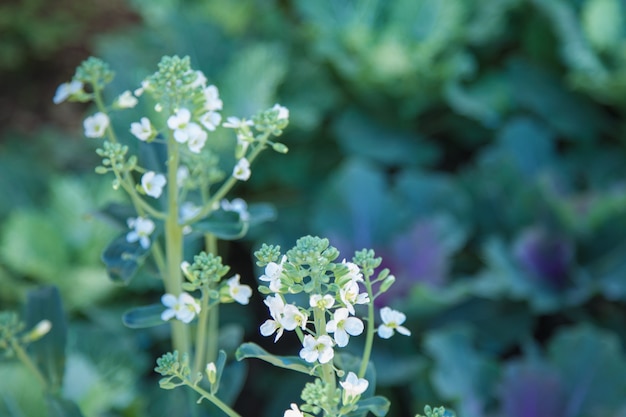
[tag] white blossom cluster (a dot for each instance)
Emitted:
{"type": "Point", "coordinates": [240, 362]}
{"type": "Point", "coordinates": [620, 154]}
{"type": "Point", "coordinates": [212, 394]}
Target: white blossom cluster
{"type": "Point", "coordinates": [338, 310]}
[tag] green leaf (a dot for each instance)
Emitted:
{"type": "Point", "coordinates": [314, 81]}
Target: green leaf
{"type": "Point", "coordinates": [143, 317]}
{"type": "Point", "coordinates": [461, 373]}
{"type": "Point", "coordinates": [252, 350]}
{"type": "Point", "coordinates": [592, 364]}
{"type": "Point", "coordinates": [224, 225]}
{"type": "Point", "coordinates": [123, 259]}
{"type": "Point", "coordinates": [48, 352]}
{"type": "Point", "coordinates": [379, 406]}
{"type": "Point", "coordinates": [219, 366]}
{"type": "Point", "coordinates": [61, 407]}
{"type": "Point", "coordinates": [261, 212]}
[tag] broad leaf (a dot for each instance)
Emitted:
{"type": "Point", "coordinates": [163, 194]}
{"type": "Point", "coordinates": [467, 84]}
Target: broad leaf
{"type": "Point", "coordinates": [224, 225]}
{"type": "Point", "coordinates": [252, 350]}
{"type": "Point", "coordinates": [48, 352]}
{"type": "Point", "coordinates": [123, 259]}
{"type": "Point", "coordinates": [61, 407]}
{"type": "Point", "coordinates": [379, 406]}
{"type": "Point", "coordinates": [143, 317]}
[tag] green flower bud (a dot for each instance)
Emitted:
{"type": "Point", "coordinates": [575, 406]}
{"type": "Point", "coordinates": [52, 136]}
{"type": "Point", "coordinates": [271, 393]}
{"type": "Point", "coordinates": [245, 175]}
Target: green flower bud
{"type": "Point", "coordinates": [211, 372]}
{"type": "Point", "coordinates": [388, 282]}
{"type": "Point", "coordinates": [280, 148]}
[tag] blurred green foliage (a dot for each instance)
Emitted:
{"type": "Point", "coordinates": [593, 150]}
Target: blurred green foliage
{"type": "Point", "coordinates": [478, 147]}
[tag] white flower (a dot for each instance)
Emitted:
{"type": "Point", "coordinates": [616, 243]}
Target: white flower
{"type": "Point", "coordinates": [320, 349]}
{"type": "Point", "coordinates": [188, 211]}
{"type": "Point", "coordinates": [142, 229]}
{"type": "Point", "coordinates": [66, 90]}
{"type": "Point", "coordinates": [210, 120]}
{"type": "Point", "coordinates": [276, 306]}
{"type": "Point", "coordinates": [239, 293]}
{"type": "Point", "coordinates": [212, 99]}
{"type": "Point", "coordinates": [392, 320]}
{"type": "Point", "coordinates": [292, 317]}
{"type": "Point", "coordinates": [179, 120]}
{"type": "Point", "coordinates": [353, 271]}
{"type": "Point", "coordinates": [153, 183]}
{"type": "Point", "coordinates": [293, 412]}
{"type": "Point", "coordinates": [183, 308]}
{"type": "Point", "coordinates": [181, 175]}
{"type": "Point", "coordinates": [196, 137]}
{"type": "Point", "coordinates": [237, 123]}
{"type": "Point", "coordinates": [144, 85]}
{"type": "Point", "coordinates": [353, 387]}
{"type": "Point", "coordinates": [323, 302]}
{"type": "Point", "coordinates": [200, 80]}
{"type": "Point", "coordinates": [126, 100]}
{"type": "Point", "coordinates": [349, 295]}
{"type": "Point", "coordinates": [242, 170]}
{"type": "Point", "coordinates": [143, 129]}
{"type": "Point", "coordinates": [238, 205]}
{"type": "Point", "coordinates": [96, 125]}
{"type": "Point", "coordinates": [344, 326]}
{"type": "Point", "coordinates": [283, 112]}
{"type": "Point", "coordinates": [272, 274]}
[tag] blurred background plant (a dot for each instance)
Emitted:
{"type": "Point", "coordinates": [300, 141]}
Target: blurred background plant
{"type": "Point", "coordinates": [478, 147]}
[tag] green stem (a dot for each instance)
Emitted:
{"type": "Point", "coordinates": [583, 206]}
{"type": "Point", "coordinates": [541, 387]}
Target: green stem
{"type": "Point", "coordinates": [214, 313]}
{"type": "Point", "coordinates": [25, 359]}
{"type": "Point", "coordinates": [328, 372]}
{"type": "Point", "coordinates": [201, 333]}
{"type": "Point", "coordinates": [174, 249]}
{"type": "Point", "coordinates": [219, 403]}
{"type": "Point", "coordinates": [369, 338]}
{"type": "Point", "coordinates": [226, 186]}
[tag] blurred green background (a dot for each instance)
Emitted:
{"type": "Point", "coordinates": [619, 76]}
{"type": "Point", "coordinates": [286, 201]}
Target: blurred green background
{"type": "Point", "coordinates": [478, 147]}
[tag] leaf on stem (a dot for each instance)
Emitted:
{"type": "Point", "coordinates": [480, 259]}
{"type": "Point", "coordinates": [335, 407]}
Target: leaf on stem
{"type": "Point", "coordinates": [143, 317]}
{"type": "Point", "coordinates": [252, 350]}
{"type": "Point", "coordinates": [123, 259]}
{"type": "Point", "coordinates": [48, 353]}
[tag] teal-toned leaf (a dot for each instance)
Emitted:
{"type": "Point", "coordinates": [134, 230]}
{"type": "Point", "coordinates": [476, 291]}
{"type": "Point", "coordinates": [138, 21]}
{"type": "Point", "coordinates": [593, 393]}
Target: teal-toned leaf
{"type": "Point", "coordinates": [224, 225]}
{"type": "Point", "coordinates": [360, 135]}
{"type": "Point", "coordinates": [252, 350]}
{"type": "Point", "coordinates": [48, 353]}
{"type": "Point", "coordinates": [461, 373]}
{"type": "Point", "coordinates": [116, 213]}
{"type": "Point", "coordinates": [232, 379]}
{"type": "Point", "coordinates": [528, 144]}
{"type": "Point", "coordinates": [219, 367]}
{"type": "Point", "coordinates": [592, 364]}
{"type": "Point", "coordinates": [379, 406]}
{"type": "Point", "coordinates": [261, 212]}
{"type": "Point", "coordinates": [143, 317]}
{"type": "Point", "coordinates": [123, 259]}
{"type": "Point", "coordinates": [61, 407]}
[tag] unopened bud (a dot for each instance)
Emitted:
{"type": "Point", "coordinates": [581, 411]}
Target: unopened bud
{"type": "Point", "coordinates": [280, 148]}
{"type": "Point", "coordinates": [211, 372]}
{"type": "Point", "coordinates": [388, 282]}
{"type": "Point", "coordinates": [40, 330]}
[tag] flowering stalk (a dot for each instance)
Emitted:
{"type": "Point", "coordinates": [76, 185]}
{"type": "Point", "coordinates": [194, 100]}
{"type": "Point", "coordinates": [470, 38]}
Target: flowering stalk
{"type": "Point", "coordinates": [369, 337]}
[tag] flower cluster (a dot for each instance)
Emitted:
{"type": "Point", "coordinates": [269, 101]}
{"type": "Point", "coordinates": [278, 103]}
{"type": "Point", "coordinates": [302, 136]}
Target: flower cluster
{"type": "Point", "coordinates": [334, 290]}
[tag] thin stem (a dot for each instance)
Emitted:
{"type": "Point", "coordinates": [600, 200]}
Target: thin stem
{"type": "Point", "coordinates": [201, 333]}
{"type": "Point", "coordinates": [214, 314]}
{"type": "Point", "coordinates": [227, 185]}
{"type": "Point", "coordinates": [369, 338]}
{"type": "Point", "coordinates": [219, 403]}
{"type": "Point", "coordinates": [328, 372]}
{"type": "Point", "coordinates": [174, 249]}
{"type": "Point", "coordinates": [25, 359]}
